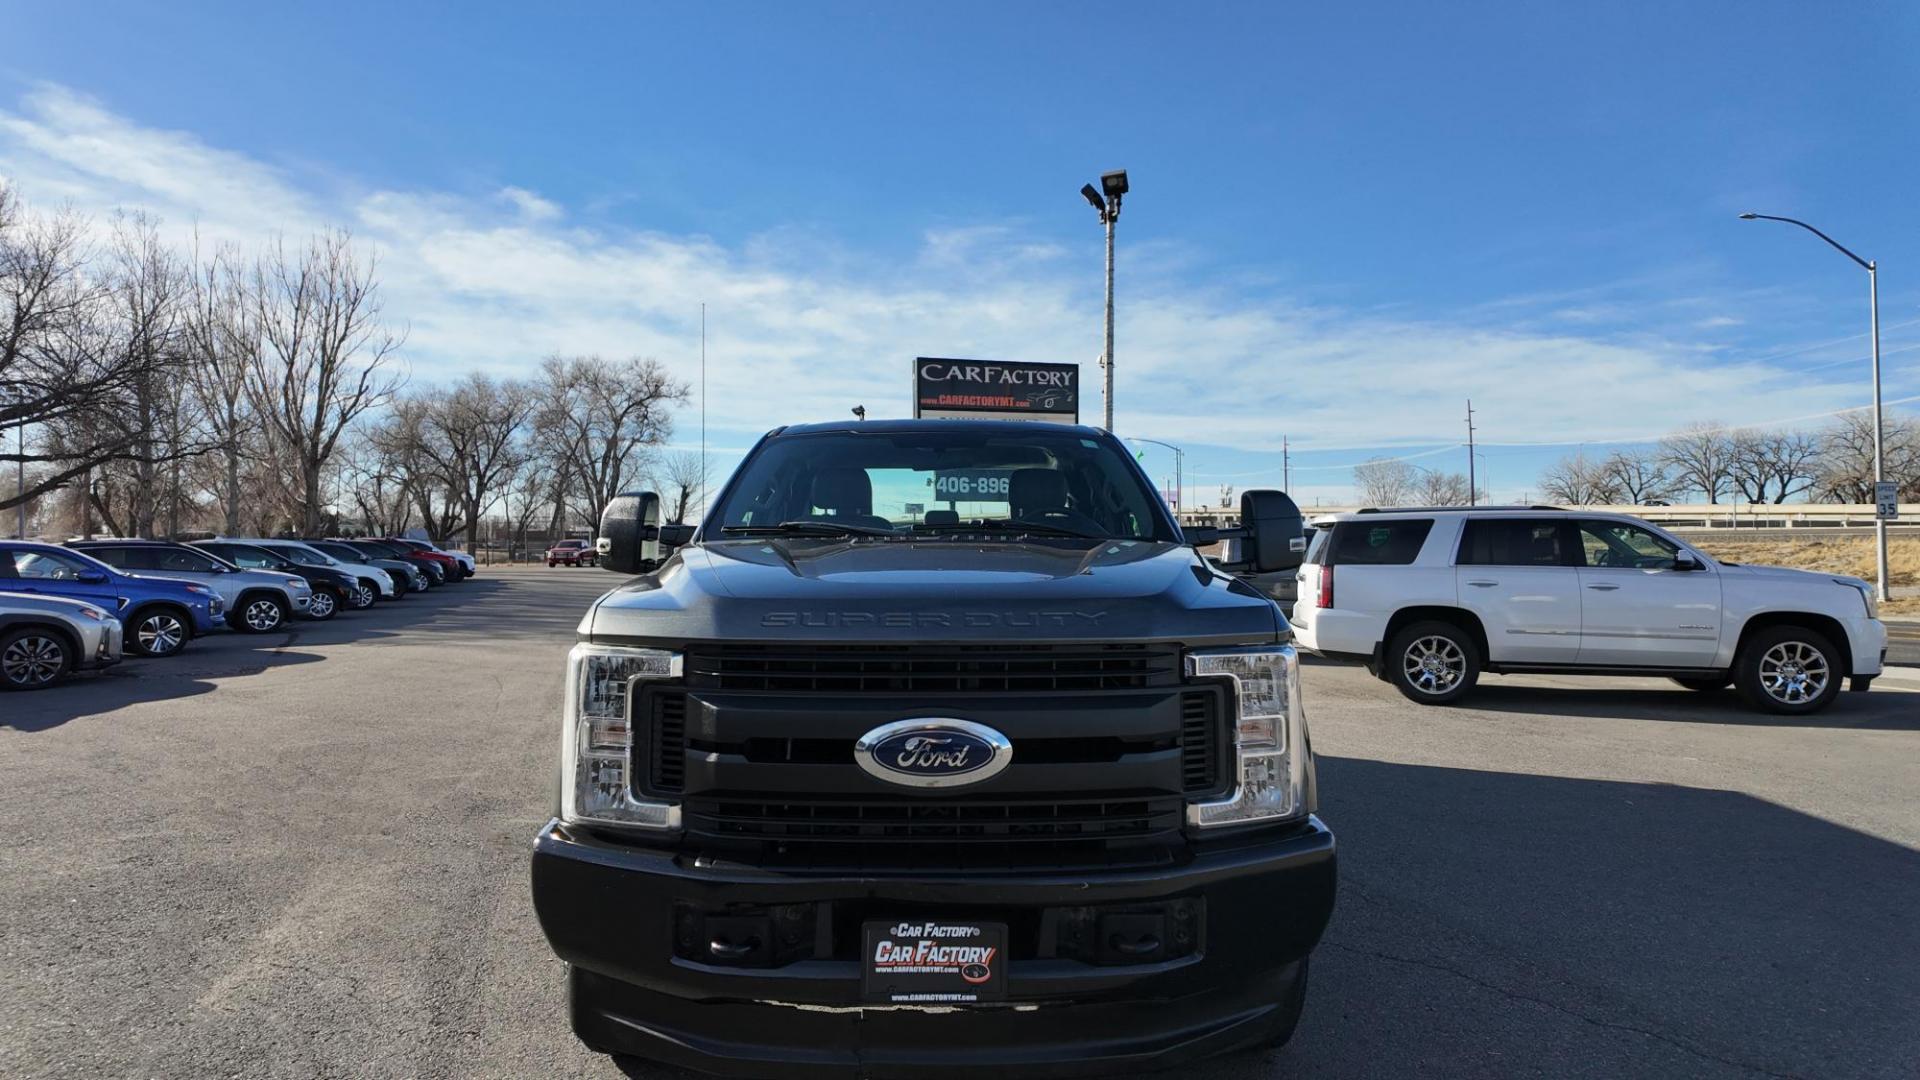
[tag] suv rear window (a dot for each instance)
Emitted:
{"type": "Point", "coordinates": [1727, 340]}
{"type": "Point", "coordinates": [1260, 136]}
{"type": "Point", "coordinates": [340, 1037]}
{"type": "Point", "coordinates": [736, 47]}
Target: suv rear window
{"type": "Point", "coordinates": [1377, 543]}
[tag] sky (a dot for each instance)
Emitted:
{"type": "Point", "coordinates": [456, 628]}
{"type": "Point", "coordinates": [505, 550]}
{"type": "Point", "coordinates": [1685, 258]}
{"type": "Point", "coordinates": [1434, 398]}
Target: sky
{"type": "Point", "coordinates": [1345, 220]}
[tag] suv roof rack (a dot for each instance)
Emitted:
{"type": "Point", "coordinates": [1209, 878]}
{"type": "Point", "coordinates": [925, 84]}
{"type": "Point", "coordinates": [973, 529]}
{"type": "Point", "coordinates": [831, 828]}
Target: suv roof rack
{"type": "Point", "coordinates": [1449, 509]}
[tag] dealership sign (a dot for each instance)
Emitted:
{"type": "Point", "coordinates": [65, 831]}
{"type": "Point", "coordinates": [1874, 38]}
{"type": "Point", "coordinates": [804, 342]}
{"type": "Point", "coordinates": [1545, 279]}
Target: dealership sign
{"type": "Point", "coordinates": [992, 390]}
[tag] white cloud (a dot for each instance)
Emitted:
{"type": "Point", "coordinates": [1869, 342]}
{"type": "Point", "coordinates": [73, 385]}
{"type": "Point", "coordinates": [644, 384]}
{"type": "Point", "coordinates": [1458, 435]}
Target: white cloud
{"type": "Point", "coordinates": [800, 328]}
{"type": "Point", "coordinates": [530, 205]}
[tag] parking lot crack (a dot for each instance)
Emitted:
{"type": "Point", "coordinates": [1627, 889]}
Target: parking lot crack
{"type": "Point", "coordinates": [1515, 995]}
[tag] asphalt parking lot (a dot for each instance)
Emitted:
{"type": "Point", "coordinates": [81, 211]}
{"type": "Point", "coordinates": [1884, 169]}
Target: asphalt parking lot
{"type": "Point", "coordinates": [306, 855]}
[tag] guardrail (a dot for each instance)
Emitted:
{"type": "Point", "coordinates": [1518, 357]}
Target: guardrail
{"type": "Point", "coordinates": [1692, 515]}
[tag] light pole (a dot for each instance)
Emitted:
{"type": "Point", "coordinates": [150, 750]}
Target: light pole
{"type": "Point", "coordinates": [1114, 184]}
{"type": "Point", "coordinates": [1879, 451]}
{"type": "Point", "coordinates": [1179, 470]}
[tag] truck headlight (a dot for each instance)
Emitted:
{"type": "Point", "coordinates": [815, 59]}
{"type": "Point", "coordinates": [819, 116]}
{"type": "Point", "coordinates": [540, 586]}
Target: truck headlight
{"type": "Point", "coordinates": [1270, 741]}
{"type": "Point", "coordinates": [596, 740]}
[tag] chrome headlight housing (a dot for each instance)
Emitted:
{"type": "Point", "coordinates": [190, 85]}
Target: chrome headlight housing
{"type": "Point", "coordinates": [1270, 740]}
{"type": "Point", "coordinates": [596, 737]}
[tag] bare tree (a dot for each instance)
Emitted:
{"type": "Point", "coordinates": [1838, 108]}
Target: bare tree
{"type": "Point", "coordinates": [471, 435]}
{"type": "Point", "coordinates": [1443, 489]}
{"type": "Point", "coordinates": [1700, 458]}
{"type": "Point", "coordinates": [607, 415]}
{"type": "Point", "coordinates": [323, 357]}
{"type": "Point", "coordinates": [1578, 480]}
{"type": "Point", "coordinates": [1384, 482]}
{"type": "Point", "coordinates": [1845, 470]}
{"type": "Point", "coordinates": [681, 477]}
{"type": "Point", "coordinates": [1773, 466]}
{"type": "Point", "coordinates": [1638, 476]}
{"type": "Point", "coordinates": [223, 343]}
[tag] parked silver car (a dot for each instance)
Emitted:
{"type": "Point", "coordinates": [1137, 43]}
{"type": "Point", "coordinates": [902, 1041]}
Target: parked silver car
{"type": "Point", "coordinates": [43, 638]}
{"type": "Point", "coordinates": [373, 583]}
{"type": "Point", "coordinates": [258, 601]}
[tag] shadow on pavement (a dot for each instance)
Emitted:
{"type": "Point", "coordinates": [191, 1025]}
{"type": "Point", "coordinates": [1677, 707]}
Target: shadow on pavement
{"type": "Point", "coordinates": [1883, 710]}
{"type": "Point", "coordinates": [484, 607]}
{"type": "Point", "coordinates": [1506, 924]}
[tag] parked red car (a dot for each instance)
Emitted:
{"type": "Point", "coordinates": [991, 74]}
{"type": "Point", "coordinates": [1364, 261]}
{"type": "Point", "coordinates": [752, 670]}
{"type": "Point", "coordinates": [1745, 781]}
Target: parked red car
{"type": "Point", "coordinates": [573, 553]}
{"type": "Point", "coordinates": [451, 569]}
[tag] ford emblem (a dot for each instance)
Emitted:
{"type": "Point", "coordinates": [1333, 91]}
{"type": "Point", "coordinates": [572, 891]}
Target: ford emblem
{"type": "Point", "coordinates": [933, 752]}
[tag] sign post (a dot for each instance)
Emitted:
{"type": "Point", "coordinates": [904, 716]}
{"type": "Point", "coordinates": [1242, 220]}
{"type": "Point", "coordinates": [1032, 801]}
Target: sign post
{"type": "Point", "coordinates": [1886, 501]}
{"type": "Point", "coordinates": [993, 390]}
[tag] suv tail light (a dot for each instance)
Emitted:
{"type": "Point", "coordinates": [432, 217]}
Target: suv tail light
{"type": "Point", "coordinates": [1326, 588]}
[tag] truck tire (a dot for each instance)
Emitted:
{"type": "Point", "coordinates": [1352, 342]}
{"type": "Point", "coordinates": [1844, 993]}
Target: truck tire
{"type": "Point", "coordinates": [1789, 670]}
{"type": "Point", "coordinates": [1433, 662]}
{"type": "Point", "coordinates": [1706, 686]}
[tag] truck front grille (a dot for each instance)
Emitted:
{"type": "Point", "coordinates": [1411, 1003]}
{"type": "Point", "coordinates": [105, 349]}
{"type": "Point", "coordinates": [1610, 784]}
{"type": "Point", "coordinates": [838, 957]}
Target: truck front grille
{"type": "Point", "coordinates": [954, 835]}
{"type": "Point", "coordinates": [931, 669]}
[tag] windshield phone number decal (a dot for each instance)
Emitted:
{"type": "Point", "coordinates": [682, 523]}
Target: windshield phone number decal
{"type": "Point", "coordinates": [988, 484]}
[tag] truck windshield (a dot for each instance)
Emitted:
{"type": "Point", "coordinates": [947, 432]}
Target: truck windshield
{"type": "Point", "coordinates": [1038, 481]}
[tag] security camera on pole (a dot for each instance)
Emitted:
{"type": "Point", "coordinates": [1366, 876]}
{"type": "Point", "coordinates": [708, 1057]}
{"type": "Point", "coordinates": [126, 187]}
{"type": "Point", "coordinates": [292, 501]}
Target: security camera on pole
{"type": "Point", "coordinates": [1114, 184]}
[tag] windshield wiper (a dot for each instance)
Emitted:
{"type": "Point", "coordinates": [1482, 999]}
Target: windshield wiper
{"type": "Point", "coordinates": [806, 528]}
{"type": "Point", "coordinates": [1030, 527]}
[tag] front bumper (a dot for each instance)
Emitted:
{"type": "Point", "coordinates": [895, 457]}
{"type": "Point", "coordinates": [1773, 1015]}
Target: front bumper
{"type": "Point", "coordinates": [613, 912]}
{"type": "Point", "coordinates": [1869, 640]}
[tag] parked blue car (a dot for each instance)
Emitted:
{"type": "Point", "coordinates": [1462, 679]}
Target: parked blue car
{"type": "Point", "coordinates": [158, 616]}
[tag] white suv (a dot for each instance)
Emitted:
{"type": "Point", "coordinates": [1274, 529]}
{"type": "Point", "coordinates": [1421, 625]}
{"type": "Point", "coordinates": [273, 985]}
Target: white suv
{"type": "Point", "coordinates": [1429, 599]}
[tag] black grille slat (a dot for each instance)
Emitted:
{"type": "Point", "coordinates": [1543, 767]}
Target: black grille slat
{"type": "Point", "coordinates": [931, 669]}
{"type": "Point", "coordinates": [893, 821]}
{"type": "Point", "coordinates": [668, 740]}
{"type": "Point", "coordinates": [1199, 742]}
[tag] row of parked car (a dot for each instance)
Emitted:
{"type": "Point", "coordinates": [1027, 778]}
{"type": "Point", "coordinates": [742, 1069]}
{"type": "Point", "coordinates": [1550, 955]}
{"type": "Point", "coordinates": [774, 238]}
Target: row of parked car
{"type": "Point", "coordinates": [83, 604]}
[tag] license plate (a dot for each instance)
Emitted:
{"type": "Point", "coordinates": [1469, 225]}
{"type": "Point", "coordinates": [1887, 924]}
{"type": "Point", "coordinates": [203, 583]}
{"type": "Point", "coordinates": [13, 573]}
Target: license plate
{"type": "Point", "coordinates": [932, 962]}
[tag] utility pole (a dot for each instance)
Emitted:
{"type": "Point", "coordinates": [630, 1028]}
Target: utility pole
{"type": "Point", "coordinates": [1473, 489]}
{"type": "Point", "coordinates": [1286, 466]}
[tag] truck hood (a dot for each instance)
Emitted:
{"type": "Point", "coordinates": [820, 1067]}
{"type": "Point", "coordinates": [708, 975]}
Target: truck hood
{"type": "Point", "coordinates": [933, 591]}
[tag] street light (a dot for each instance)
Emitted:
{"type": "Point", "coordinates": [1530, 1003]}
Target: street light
{"type": "Point", "coordinates": [1114, 185]}
{"type": "Point", "coordinates": [1179, 470]}
{"type": "Point", "coordinates": [1873, 303]}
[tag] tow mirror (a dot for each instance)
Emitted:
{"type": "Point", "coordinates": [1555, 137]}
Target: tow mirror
{"type": "Point", "coordinates": [629, 540]}
{"type": "Point", "coordinates": [1274, 527]}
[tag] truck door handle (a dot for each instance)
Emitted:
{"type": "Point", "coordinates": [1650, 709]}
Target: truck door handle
{"type": "Point", "coordinates": [1604, 588]}
{"type": "Point", "coordinates": [1483, 584]}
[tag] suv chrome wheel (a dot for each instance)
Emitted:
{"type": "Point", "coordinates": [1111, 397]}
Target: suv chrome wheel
{"type": "Point", "coordinates": [1434, 664]}
{"type": "Point", "coordinates": [262, 615]}
{"type": "Point", "coordinates": [363, 596]}
{"type": "Point", "coordinates": [160, 634]}
{"type": "Point", "coordinates": [1794, 672]}
{"type": "Point", "coordinates": [33, 660]}
{"type": "Point", "coordinates": [322, 605]}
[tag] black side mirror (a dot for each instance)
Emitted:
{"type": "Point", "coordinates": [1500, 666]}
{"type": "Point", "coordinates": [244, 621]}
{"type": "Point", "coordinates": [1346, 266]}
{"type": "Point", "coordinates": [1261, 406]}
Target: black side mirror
{"type": "Point", "coordinates": [629, 540]}
{"type": "Point", "coordinates": [1273, 524]}
{"type": "Point", "coordinates": [1685, 562]}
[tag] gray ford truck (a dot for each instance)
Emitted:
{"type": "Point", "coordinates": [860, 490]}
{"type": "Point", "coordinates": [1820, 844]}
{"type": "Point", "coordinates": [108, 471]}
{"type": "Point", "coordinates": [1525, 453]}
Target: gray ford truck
{"type": "Point", "coordinates": [935, 748]}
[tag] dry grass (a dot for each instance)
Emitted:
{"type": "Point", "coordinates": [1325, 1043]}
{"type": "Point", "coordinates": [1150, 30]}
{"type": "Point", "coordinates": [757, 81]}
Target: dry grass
{"type": "Point", "coordinates": [1851, 555]}
{"type": "Point", "coordinates": [1901, 605]}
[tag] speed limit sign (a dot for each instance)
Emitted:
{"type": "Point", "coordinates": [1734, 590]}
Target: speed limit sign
{"type": "Point", "coordinates": [1886, 501]}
